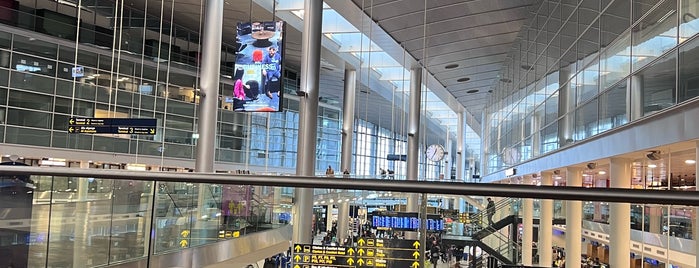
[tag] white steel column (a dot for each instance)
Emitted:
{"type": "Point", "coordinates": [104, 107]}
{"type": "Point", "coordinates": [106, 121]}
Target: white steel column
{"type": "Point", "coordinates": [81, 235]}
{"type": "Point", "coordinates": [566, 103]}
{"type": "Point", "coordinates": [308, 117]}
{"type": "Point", "coordinates": [348, 120]}
{"type": "Point", "coordinates": [573, 248]}
{"type": "Point", "coordinates": [413, 139]}
{"type": "Point", "coordinates": [460, 147]}
{"type": "Point", "coordinates": [619, 214]}
{"type": "Point", "coordinates": [342, 221]}
{"type": "Point", "coordinates": [634, 97]}
{"type": "Point", "coordinates": [527, 226]}
{"type": "Point", "coordinates": [210, 73]}
{"type": "Point", "coordinates": [329, 218]}
{"type": "Point", "coordinates": [546, 224]}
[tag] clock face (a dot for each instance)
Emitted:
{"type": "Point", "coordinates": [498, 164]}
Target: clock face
{"type": "Point", "coordinates": [435, 152]}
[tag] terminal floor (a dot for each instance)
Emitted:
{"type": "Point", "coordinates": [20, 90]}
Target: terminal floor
{"type": "Point", "coordinates": [317, 240]}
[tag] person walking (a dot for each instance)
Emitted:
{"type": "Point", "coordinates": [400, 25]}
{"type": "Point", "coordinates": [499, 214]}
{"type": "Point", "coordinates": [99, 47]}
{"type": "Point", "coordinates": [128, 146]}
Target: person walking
{"type": "Point", "coordinates": [490, 210]}
{"type": "Point", "coordinates": [330, 172]}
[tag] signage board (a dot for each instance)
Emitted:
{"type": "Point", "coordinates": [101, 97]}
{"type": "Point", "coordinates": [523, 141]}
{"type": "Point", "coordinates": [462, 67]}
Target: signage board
{"type": "Point", "coordinates": [89, 125]}
{"type": "Point", "coordinates": [368, 252]}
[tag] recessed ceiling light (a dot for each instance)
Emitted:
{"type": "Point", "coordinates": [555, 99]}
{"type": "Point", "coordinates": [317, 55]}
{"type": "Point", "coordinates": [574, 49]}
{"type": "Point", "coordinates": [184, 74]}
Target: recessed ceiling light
{"type": "Point", "coordinates": [526, 67]}
{"type": "Point", "coordinates": [472, 91]}
{"type": "Point", "coordinates": [463, 79]}
{"type": "Point", "coordinates": [652, 166]}
{"type": "Point", "coordinates": [490, 91]}
{"type": "Point", "coordinates": [690, 161]}
{"type": "Point", "coordinates": [451, 66]}
{"type": "Point", "coordinates": [602, 172]}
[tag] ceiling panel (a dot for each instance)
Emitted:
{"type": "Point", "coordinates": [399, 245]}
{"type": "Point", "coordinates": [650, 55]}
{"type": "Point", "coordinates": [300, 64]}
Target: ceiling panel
{"type": "Point", "coordinates": [474, 37]}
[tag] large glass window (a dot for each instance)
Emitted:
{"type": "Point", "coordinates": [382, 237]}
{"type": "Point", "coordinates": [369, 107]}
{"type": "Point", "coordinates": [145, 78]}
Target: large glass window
{"type": "Point", "coordinates": [689, 22]}
{"type": "Point", "coordinates": [689, 71]}
{"type": "Point", "coordinates": [658, 84]}
{"type": "Point", "coordinates": [654, 34]}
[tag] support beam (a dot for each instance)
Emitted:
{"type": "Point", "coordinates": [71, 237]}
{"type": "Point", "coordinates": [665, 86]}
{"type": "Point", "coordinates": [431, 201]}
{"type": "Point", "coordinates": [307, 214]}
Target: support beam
{"type": "Point", "coordinates": [413, 139]}
{"type": "Point", "coordinates": [546, 224]}
{"type": "Point", "coordinates": [620, 214]}
{"type": "Point", "coordinates": [308, 117]}
{"type": "Point", "coordinates": [573, 246]}
{"type": "Point", "coordinates": [527, 227]}
{"type": "Point", "coordinates": [208, 84]}
{"type": "Point", "coordinates": [348, 102]}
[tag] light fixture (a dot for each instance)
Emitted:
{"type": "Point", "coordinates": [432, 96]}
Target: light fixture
{"type": "Point", "coordinates": [463, 79]}
{"type": "Point", "coordinates": [602, 172]}
{"type": "Point", "coordinates": [652, 166]}
{"type": "Point", "coordinates": [451, 66]}
{"type": "Point", "coordinates": [472, 91]}
{"type": "Point", "coordinates": [690, 161]}
{"type": "Point", "coordinates": [591, 165]}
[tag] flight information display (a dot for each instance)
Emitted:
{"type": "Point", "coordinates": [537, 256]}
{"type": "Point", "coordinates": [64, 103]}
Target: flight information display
{"type": "Point", "coordinates": [406, 221]}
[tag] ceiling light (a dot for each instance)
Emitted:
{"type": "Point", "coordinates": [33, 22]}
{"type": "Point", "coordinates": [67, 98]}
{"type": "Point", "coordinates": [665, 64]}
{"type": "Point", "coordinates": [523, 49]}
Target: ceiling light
{"type": "Point", "coordinates": [526, 67]}
{"type": "Point", "coordinates": [463, 79]}
{"type": "Point", "coordinates": [602, 172]}
{"type": "Point", "coordinates": [451, 66]}
{"type": "Point", "coordinates": [472, 91]}
{"type": "Point", "coordinates": [652, 166]}
{"type": "Point", "coordinates": [690, 161]}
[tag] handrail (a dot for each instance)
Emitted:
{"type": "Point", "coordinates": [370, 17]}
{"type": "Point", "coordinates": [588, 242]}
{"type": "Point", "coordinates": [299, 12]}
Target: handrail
{"type": "Point", "coordinates": [483, 189]}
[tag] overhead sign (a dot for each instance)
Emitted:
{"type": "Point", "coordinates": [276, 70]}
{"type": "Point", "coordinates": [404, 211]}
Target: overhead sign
{"type": "Point", "coordinates": [137, 126]}
{"type": "Point", "coordinates": [405, 221]}
{"type": "Point", "coordinates": [369, 252]}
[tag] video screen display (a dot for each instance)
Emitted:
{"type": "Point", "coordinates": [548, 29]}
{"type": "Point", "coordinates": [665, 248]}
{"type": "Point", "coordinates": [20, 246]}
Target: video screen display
{"type": "Point", "coordinates": [258, 67]}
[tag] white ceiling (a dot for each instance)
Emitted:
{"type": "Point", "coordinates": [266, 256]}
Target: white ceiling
{"type": "Point", "coordinates": [475, 35]}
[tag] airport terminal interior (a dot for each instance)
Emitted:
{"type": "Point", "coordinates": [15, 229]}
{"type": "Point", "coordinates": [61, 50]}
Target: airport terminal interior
{"type": "Point", "coordinates": [349, 133]}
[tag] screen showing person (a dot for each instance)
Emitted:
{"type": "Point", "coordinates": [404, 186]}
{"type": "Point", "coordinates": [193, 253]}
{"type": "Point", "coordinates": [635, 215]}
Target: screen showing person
{"type": "Point", "coordinates": [258, 66]}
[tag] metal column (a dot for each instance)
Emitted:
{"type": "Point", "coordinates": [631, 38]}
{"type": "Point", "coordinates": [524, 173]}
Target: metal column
{"type": "Point", "coordinates": [343, 210]}
{"type": "Point", "coordinates": [413, 139]}
{"type": "Point", "coordinates": [619, 214]}
{"type": "Point", "coordinates": [348, 119]}
{"type": "Point", "coordinates": [634, 97]}
{"type": "Point", "coordinates": [566, 103]}
{"type": "Point", "coordinates": [546, 224]}
{"type": "Point", "coordinates": [308, 117]}
{"type": "Point", "coordinates": [573, 246]}
{"type": "Point", "coordinates": [208, 84]}
{"type": "Point", "coordinates": [460, 147]}
{"type": "Point", "coordinates": [527, 227]}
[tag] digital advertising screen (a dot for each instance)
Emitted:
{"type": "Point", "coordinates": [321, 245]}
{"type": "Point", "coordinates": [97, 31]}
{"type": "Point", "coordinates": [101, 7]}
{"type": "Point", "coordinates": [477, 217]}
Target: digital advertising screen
{"type": "Point", "coordinates": [258, 67]}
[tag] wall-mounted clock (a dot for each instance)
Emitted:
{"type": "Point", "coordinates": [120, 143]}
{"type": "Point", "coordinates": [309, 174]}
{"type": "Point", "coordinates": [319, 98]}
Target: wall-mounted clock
{"type": "Point", "coordinates": [435, 152]}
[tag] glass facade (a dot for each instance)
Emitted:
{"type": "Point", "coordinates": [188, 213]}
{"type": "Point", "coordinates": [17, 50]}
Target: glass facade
{"type": "Point", "coordinates": [129, 70]}
{"type": "Point", "coordinates": [584, 67]}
